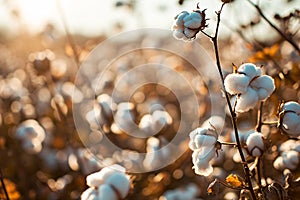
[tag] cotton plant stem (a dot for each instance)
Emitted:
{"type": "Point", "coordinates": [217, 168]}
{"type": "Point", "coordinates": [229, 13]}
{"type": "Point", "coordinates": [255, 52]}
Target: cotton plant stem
{"type": "Point", "coordinates": [3, 185]}
{"type": "Point", "coordinates": [232, 113]}
{"type": "Point", "coordinates": [282, 34]}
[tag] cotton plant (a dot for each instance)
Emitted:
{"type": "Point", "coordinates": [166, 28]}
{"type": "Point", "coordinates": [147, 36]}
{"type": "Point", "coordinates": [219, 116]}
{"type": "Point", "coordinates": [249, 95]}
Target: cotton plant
{"type": "Point", "coordinates": [110, 183]}
{"type": "Point", "coordinates": [249, 85]}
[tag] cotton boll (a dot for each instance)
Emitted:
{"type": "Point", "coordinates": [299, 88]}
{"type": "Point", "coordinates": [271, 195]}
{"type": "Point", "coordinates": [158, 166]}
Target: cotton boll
{"type": "Point", "coordinates": [120, 182]}
{"type": "Point", "coordinates": [264, 86]}
{"type": "Point", "coordinates": [193, 20]}
{"type": "Point", "coordinates": [250, 70]}
{"type": "Point", "coordinates": [279, 164]}
{"type": "Point", "coordinates": [32, 146]}
{"type": "Point", "coordinates": [201, 159]}
{"type": "Point", "coordinates": [216, 121]}
{"type": "Point", "coordinates": [291, 119]}
{"type": "Point", "coordinates": [255, 144]}
{"type": "Point", "coordinates": [291, 159]}
{"type": "Point", "coordinates": [106, 192]}
{"type": "Point", "coordinates": [30, 129]}
{"type": "Point", "coordinates": [292, 106]}
{"type": "Point", "coordinates": [179, 18]}
{"type": "Point", "coordinates": [246, 101]}
{"type": "Point", "coordinates": [178, 34]}
{"type": "Point", "coordinates": [236, 83]}
{"type": "Point", "coordinates": [189, 33]}
{"type": "Point", "coordinates": [199, 137]}
{"type": "Point", "coordinates": [90, 194]}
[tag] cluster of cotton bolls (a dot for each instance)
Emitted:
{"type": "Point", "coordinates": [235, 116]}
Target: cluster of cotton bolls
{"type": "Point", "coordinates": [188, 193]}
{"type": "Point", "coordinates": [202, 143]}
{"type": "Point", "coordinates": [187, 25]}
{"type": "Point", "coordinates": [110, 183]}
{"type": "Point", "coordinates": [289, 155]}
{"type": "Point", "coordinates": [290, 119]}
{"type": "Point", "coordinates": [250, 86]}
{"type": "Point", "coordinates": [31, 135]}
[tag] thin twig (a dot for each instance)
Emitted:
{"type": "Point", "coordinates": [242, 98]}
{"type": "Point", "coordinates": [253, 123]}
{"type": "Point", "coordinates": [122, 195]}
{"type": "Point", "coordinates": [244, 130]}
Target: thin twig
{"type": "Point", "coordinates": [259, 117]}
{"type": "Point", "coordinates": [232, 113]}
{"type": "Point", "coordinates": [270, 123]}
{"type": "Point", "coordinates": [287, 38]}
{"type": "Point", "coordinates": [3, 185]}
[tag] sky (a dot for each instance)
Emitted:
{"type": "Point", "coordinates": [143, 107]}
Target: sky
{"type": "Point", "coordinates": [94, 17]}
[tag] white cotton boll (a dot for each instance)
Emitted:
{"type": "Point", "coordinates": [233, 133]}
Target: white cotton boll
{"type": "Point", "coordinates": [291, 159]}
{"type": "Point", "coordinates": [279, 164]}
{"type": "Point", "coordinates": [246, 101]}
{"type": "Point", "coordinates": [201, 159]}
{"type": "Point", "coordinates": [216, 121]}
{"type": "Point", "coordinates": [120, 182]}
{"type": "Point", "coordinates": [287, 145]}
{"type": "Point", "coordinates": [264, 85]}
{"type": "Point", "coordinates": [90, 194]}
{"type": "Point", "coordinates": [179, 18]}
{"type": "Point", "coordinates": [200, 137]}
{"type": "Point", "coordinates": [193, 20]}
{"type": "Point", "coordinates": [250, 70]}
{"type": "Point", "coordinates": [255, 144]}
{"type": "Point", "coordinates": [292, 106]}
{"type": "Point", "coordinates": [178, 34]}
{"type": "Point", "coordinates": [189, 33]}
{"type": "Point", "coordinates": [97, 178]}
{"type": "Point", "coordinates": [236, 83]}
{"type": "Point", "coordinates": [291, 124]}
{"type": "Point", "coordinates": [106, 192]}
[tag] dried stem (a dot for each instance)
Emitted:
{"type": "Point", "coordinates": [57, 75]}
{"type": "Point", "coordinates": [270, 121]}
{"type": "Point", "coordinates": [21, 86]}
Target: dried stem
{"type": "Point", "coordinates": [282, 34]}
{"type": "Point", "coordinates": [259, 117]}
{"type": "Point", "coordinates": [3, 185]}
{"type": "Point", "coordinates": [214, 39]}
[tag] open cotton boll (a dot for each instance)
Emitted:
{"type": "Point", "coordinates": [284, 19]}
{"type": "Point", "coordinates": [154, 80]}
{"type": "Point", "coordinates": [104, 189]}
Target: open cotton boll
{"type": "Point", "coordinates": [97, 178]}
{"type": "Point", "coordinates": [120, 182]}
{"type": "Point", "coordinates": [279, 164]}
{"type": "Point", "coordinates": [291, 159]}
{"type": "Point", "coordinates": [189, 33]}
{"type": "Point", "coordinates": [215, 121]}
{"type": "Point", "coordinates": [264, 85]}
{"type": "Point", "coordinates": [194, 142]}
{"type": "Point", "coordinates": [292, 106]}
{"type": "Point", "coordinates": [246, 101]}
{"type": "Point", "coordinates": [178, 34]}
{"type": "Point", "coordinates": [193, 20]}
{"type": "Point", "coordinates": [90, 194]}
{"type": "Point", "coordinates": [106, 192]}
{"type": "Point", "coordinates": [291, 124]}
{"type": "Point", "coordinates": [201, 159]}
{"type": "Point", "coordinates": [250, 70]}
{"type": "Point", "coordinates": [204, 140]}
{"type": "Point", "coordinates": [179, 18]}
{"type": "Point", "coordinates": [30, 129]}
{"type": "Point", "coordinates": [255, 144]}
{"type": "Point", "coordinates": [236, 83]}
